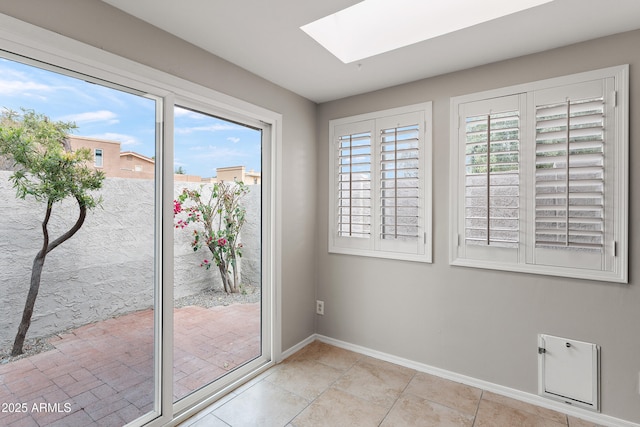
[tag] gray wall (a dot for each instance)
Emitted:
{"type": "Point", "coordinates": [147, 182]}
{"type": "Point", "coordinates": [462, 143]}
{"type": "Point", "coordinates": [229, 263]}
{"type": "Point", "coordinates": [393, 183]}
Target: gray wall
{"type": "Point", "coordinates": [98, 24]}
{"type": "Point", "coordinates": [484, 323]}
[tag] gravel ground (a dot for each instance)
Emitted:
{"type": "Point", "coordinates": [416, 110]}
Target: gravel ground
{"type": "Point", "coordinates": [208, 298]}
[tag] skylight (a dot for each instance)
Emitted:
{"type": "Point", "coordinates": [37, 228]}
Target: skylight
{"type": "Point", "coordinates": [372, 27]}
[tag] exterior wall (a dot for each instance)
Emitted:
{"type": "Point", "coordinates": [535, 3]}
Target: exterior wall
{"type": "Point", "coordinates": [133, 165]}
{"type": "Point", "coordinates": [238, 173]}
{"type": "Point", "coordinates": [110, 152]}
{"type": "Point", "coordinates": [484, 323]}
{"type": "Point", "coordinates": [106, 269]}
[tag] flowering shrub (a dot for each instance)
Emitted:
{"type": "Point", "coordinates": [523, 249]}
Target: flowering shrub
{"type": "Point", "coordinates": [217, 221]}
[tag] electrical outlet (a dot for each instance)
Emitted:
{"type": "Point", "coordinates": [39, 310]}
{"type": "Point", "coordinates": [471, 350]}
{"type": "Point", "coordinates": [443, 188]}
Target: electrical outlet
{"type": "Point", "coordinates": [320, 307]}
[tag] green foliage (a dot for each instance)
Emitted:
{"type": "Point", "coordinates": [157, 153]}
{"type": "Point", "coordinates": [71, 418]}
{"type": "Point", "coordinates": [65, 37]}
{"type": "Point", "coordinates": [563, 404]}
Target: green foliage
{"type": "Point", "coordinates": [46, 168]}
{"type": "Point", "coordinates": [217, 222]}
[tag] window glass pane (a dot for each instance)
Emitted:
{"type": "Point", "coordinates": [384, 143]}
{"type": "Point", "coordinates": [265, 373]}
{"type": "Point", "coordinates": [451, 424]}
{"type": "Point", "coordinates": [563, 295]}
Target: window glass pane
{"type": "Point", "coordinates": [88, 355]}
{"type": "Point", "coordinates": [217, 249]}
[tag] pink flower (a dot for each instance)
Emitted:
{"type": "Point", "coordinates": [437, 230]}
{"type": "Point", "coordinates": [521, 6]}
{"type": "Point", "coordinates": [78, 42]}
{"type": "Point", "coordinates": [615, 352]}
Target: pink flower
{"type": "Point", "coordinates": [222, 241]}
{"type": "Point", "coordinates": [177, 207]}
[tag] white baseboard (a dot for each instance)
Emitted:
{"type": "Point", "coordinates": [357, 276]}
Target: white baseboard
{"type": "Point", "coordinates": [597, 418]}
{"type": "Point", "coordinates": [297, 347]}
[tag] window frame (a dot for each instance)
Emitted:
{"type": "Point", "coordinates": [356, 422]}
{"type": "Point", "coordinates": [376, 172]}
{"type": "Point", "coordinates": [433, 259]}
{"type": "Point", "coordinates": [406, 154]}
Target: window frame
{"type": "Point", "coordinates": [615, 82]}
{"type": "Point", "coordinates": [98, 153]}
{"type": "Point", "coordinates": [374, 246]}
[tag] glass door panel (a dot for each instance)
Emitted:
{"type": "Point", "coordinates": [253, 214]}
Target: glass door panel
{"type": "Point", "coordinates": [88, 356]}
{"type": "Point", "coordinates": [217, 249]}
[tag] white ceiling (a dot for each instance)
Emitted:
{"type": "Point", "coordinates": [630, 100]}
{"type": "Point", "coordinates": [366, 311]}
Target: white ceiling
{"type": "Point", "coordinates": [264, 37]}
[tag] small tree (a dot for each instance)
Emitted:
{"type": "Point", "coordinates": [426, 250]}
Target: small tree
{"type": "Point", "coordinates": [48, 170]}
{"type": "Point", "coordinates": [218, 220]}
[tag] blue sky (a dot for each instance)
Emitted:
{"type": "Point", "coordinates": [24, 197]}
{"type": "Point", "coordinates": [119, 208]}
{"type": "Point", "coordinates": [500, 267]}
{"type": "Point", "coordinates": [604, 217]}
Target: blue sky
{"type": "Point", "coordinates": [202, 143]}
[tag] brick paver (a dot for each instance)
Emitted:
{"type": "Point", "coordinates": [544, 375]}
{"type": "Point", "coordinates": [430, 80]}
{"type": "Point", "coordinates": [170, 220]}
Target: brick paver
{"type": "Point", "coordinates": [101, 374]}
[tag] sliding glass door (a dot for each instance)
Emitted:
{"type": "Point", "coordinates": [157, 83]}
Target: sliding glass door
{"type": "Point", "coordinates": [155, 293]}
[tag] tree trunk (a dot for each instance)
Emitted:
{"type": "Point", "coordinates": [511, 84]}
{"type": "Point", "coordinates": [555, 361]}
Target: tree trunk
{"type": "Point", "coordinates": [36, 273]}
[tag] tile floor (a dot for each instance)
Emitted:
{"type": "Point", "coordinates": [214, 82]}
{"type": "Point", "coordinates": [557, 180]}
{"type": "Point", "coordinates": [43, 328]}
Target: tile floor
{"type": "Point", "coordinates": [322, 385]}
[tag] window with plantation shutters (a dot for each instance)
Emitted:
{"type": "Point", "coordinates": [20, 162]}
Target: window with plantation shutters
{"type": "Point", "coordinates": [380, 195]}
{"type": "Point", "coordinates": [539, 177]}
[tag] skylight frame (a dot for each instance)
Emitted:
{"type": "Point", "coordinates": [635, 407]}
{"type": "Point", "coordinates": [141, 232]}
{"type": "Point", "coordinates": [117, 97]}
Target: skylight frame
{"type": "Point", "coordinates": [353, 34]}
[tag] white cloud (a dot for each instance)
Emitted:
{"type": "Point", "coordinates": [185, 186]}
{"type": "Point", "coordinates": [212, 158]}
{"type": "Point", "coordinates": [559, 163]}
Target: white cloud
{"type": "Point", "coordinates": [125, 140]}
{"type": "Point", "coordinates": [92, 116]}
{"type": "Point", "coordinates": [16, 87]}
{"type": "Point", "coordinates": [183, 112]}
{"type": "Point", "coordinates": [233, 139]}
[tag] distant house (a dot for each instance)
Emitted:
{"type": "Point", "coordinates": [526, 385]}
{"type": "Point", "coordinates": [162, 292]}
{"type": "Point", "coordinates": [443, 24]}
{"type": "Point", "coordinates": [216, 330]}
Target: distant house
{"type": "Point", "coordinates": [116, 164]}
{"type": "Point", "coordinates": [129, 164]}
{"type": "Point", "coordinates": [237, 173]}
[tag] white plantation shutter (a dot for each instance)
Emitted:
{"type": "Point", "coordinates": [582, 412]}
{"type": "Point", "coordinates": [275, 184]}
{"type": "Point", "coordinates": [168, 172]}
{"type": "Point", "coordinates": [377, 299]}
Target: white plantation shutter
{"type": "Point", "coordinates": [380, 202]}
{"type": "Point", "coordinates": [399, 161]}
{"type": "Point", "coordinates": [570, 175]}
{"type": "Point", "coordinates": [575, 145]}
{"type": "Point", "coordinates": [492, 179]}
{"type": "Point", "coordinates": [401, 221]}
{"type": "Point", "coordinates": [354, 185]}
{"type": "Point", "coordinates": [489, 137]}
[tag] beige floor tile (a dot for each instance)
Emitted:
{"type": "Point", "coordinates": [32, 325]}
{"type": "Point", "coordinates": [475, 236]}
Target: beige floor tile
{"type": "Point", "coordinates": [209, 421]}
{"type": "Point", "coordinates": [577, 422]}
{"type": "Point", "coordinates": [329, 355]}
{"type": "Point", "coordinates": [494, 414]}
{"type": "Point", "coordinates": [305, 378]}
{"type": "Point", "coordinates": [337, 408]}
{"type": "Point", "coordinates": [454, 395]}
{"type": "Point", "coordinates": [526, 407]}
{"type": "Point", "coordinates": [375, 380]}
{"type": "Point", "coordinates": [414, 411]}
{"type": "Point", "coordinates": [264, 404]}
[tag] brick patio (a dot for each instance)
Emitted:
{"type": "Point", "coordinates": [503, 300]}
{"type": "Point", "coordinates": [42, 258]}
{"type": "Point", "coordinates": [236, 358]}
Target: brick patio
{"type": "Point", "coordinates": [101, 374]}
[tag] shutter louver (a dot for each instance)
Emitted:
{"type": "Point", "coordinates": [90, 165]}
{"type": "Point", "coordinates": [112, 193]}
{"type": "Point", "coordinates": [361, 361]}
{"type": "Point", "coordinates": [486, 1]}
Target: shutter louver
{"type": "Point", "coordinates": [354, 185]}
{"type": "Point", "coordinates": [399, 183]}
{"type": "Point", "coordinates": [492, 179]}
{"type": "Point", "coordinates": [569, 199]}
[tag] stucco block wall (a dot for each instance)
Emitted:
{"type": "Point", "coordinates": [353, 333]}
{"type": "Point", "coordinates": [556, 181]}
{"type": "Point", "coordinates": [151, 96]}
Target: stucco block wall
{"type": "Point", "coordinates": [106, 269]}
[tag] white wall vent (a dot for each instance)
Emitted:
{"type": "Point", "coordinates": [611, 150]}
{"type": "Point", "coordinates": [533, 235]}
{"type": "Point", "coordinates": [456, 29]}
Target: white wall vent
{"type": "Point", "coordinates": [569, 371]}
